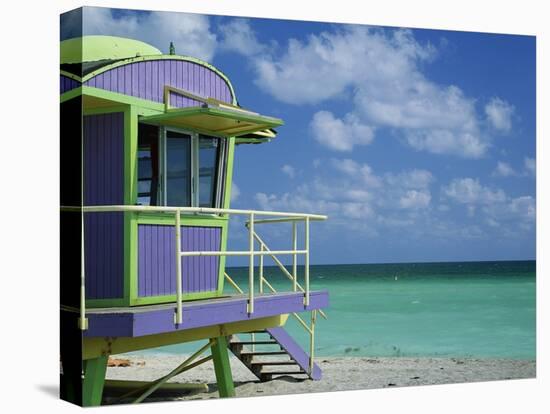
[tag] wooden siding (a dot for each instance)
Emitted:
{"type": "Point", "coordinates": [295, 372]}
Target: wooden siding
{"type": "Point", "coordinates": [66, 84]}
{"type": "Point", "coordinates": [156, 259]}
{"type": "Point", "coordinates": [146, 80]}
{"type": "Point", "coordinates": [103, 185]}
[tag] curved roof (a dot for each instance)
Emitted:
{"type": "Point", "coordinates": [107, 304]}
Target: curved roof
{"type": "Point", "coordinates": [96, 48]}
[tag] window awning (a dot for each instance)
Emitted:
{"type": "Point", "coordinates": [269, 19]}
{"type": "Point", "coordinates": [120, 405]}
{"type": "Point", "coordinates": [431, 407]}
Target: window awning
{"type": "Point", "coordinates": [215, 121]}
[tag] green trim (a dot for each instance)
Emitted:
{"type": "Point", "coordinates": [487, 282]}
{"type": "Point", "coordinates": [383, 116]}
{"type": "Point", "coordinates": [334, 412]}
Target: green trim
{"type": "Point", "coordinates": [106, 303]}
{"type": "Point", "coordinates": [73, 93]}
{"type": "Point", "coordinates": [152, 300]}
{"type": "Point", "coordinates": [186, 220]}
{"type": "Point", "coordinates": [130, 197]}
{"type": "Point", "coordinates": [120, 98]}
{"type": "Point", "coordinates": [70, 75]}
{"type": "Point", "coordinates": [94, 379]}
{"type": "Point", "coordinates": [105, 110]}
{"type": "Point", "coordinates": [222, 368]}
{"type": "Point", "coordinates": [226, 204]}
{"type": "Point", "coordinates": [164, 57]}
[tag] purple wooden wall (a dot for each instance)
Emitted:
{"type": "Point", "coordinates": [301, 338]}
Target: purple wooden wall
{"type": "Point", "coordinates": [66, 84]}
{"type": "Point", "coordinates": [104, 185]}
{"type": "Point", "coordinates": [147, 79]}
{"type": "Point", "coordinates": [156, 259]}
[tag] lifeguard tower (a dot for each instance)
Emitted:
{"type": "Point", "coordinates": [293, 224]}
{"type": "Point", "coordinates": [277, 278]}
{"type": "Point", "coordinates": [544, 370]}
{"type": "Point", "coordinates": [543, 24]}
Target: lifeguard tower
{"type": "Point", "coordinates": [147, 156]}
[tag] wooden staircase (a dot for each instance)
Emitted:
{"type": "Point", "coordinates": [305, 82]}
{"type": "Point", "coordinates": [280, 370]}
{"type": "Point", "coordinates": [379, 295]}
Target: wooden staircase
{"type": "Point", "coordinates": [272, 353]}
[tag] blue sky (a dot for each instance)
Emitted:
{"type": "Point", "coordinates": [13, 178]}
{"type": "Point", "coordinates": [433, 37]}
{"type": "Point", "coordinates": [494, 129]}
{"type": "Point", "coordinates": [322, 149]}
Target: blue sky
{"type": "Point", "coordinates": [418, 144]}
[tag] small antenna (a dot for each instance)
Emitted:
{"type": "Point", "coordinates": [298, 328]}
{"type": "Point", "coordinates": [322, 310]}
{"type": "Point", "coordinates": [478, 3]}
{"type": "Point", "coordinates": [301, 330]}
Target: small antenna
{"type": "Point", "coordinates": [172, 49]}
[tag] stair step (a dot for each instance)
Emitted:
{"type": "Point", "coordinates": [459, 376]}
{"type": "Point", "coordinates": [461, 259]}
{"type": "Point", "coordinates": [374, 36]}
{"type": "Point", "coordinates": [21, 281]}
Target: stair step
{"type": "Point", "coordinates": [274, 363]}
{"type": "Point", "coordinates": [256, 342]}
{"type": "Point", "coordinates": [264, 353]}
{"type": "Point", "coordinates": [301, 372]}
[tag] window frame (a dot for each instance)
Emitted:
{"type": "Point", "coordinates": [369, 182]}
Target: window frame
{"type": "Point", "coordinates": [218, 177]}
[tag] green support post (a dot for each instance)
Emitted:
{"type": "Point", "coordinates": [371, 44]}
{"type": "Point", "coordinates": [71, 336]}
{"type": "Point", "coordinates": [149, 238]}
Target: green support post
{"type": "Point", "coordinates": [94, 379]}
{"type": "Point", "coordinates": [222, 368]}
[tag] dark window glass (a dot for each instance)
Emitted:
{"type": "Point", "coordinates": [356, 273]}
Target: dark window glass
{"type": "Point", "coordinates": [178, 169]}
{"type": "Point", "coordinates": [148, 165]}
{"type": "Point", "coordinates": [209, 149]}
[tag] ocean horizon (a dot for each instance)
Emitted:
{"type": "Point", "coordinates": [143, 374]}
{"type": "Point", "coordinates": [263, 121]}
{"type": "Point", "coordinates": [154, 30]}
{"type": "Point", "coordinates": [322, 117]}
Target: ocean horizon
{"type": "Point", "coordinates": [429, 309]}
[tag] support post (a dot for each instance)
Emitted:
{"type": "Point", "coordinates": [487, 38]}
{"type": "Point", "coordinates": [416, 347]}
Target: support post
{"type": "Point", "coordinates": [94, 379]}
{"type": "Point", "coordinates": [222, 368]}
{"type": "Point", "coordinates": [294, 257]}
{"type": "Point", "coordinates": [251, 264]}
{"type": "Point", "coordinates": [306, 264]}
{"type": "Point", "coordinates": [178, 317]}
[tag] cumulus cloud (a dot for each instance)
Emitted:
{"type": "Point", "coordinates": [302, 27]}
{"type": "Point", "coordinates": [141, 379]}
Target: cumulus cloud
{"type": "Point", "coordinates": [504, 169]}
{"type": "Point", "coordinates": [235, 192]}
{"type": "Point", "coordinates": [190, 33]}
{"type": "Point", "coordinates": [415, 199]}
{"type": "Point", "coordinates": [340, 134]}
{"type": "Point", "coordinates": [381, 72]}
{"type": "Point", "coordinates": [497, 207]}
{"type": "Point", "coordinates": [470, 191]}
{"type": "Point", "coordinates": [289, 170]}
{"type": "Point", "coordinates": [499, 114]}
{"type": "Point", "coordinates": [238, 36]}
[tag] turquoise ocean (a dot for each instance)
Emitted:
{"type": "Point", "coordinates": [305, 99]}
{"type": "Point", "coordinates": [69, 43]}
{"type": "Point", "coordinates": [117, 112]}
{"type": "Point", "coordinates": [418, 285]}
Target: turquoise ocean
{"type": "Point", "coordinates": [462, 309]}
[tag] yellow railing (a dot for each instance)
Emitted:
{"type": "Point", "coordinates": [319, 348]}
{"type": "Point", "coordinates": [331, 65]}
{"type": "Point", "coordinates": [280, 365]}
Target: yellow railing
{"type": "Point", "coordinates": [276, 217]}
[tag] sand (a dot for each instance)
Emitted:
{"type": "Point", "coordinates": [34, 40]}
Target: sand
{"type": "Point", "coordinates": [339, 373]}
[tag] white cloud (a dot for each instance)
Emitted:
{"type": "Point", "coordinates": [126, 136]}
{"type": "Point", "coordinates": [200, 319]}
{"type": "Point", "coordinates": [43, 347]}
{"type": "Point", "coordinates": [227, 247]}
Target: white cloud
{"type": "Point", "coordinates": [190, 33]}
{"type": "Point", "coordinates": [289, 170]}
{"type": "Point", "coordinates": [340, 134]}
{"type": "Point", "coordinates": [362, 172]}
{"type": "Point", "coordinates": [470, 191]}
{"type": "Point", "coordinates": [238, 36]}
{"type": "Point", "coordinates": [504, 169]}
{"type": "Point", "coordinates": [530, 165]}
{"type": "Point", "coordinates": [415, 199]}
{"type": "Point", "coordinates": [381, 72]}
{"type": "Point", "coordinates": [499, 114]}
{"type": "Point", "coordinates": [235, 192]}
{"type": "Point", "coordinates": [498, 208]}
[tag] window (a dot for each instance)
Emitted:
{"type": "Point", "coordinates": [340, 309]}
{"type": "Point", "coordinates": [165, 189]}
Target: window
{"type": "Point", "coordinates": [177, 168]}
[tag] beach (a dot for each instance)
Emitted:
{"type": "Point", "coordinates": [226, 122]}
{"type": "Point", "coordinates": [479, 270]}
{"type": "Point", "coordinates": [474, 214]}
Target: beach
{"type": "Point", "coordinates": [339, 374]}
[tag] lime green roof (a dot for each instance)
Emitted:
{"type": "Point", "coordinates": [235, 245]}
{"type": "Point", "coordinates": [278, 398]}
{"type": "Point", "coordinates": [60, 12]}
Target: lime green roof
{"type": "Point", "coordinates": [93, 48]}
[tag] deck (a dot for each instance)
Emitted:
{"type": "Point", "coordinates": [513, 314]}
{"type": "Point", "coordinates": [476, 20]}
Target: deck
{"type": "Point", "coordinates": [139, 321]}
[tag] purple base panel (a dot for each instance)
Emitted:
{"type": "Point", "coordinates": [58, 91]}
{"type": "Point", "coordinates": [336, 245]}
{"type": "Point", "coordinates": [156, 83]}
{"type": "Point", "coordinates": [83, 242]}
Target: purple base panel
{"type": "Point", "coordinates": [103, 185]}
{"type": "Point", "coordinates": [66, 84]}
{"type": "Point", "coordinates": [196, 314]}
{"type": "Point", "coordinates": [147, 79]}
{"type": "Point", "coordinates": [294, 350]}
{"type": "Point", "coordinates": [156, 259]}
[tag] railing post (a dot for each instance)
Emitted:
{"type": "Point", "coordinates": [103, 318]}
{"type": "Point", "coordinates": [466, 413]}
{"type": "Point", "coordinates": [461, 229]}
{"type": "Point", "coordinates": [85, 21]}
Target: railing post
{"type": "Point", "coordinates": [178, 316]}
{"type": "Point", "coordinates": [312, 340]}
{"type": "Point", "coordinates": [251, 264]}
{"type": "Point", "coordinates": [294, 257]}
{"type": "Point", "coordinates": [306, 264]}
{"type": "Point", "coordinates": [261, 268]}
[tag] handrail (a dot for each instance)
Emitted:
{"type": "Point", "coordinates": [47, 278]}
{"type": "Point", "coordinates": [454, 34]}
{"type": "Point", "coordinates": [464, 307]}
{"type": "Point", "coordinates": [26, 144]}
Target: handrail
{"type": "Point", "coordinates": [251, 252]}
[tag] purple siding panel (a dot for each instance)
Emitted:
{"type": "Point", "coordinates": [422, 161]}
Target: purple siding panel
{"type": "Point", "coordinates": [146, 80]}
{"type": "Point", "coordinates": [156, 259]}
{"type": "Point", "coordinates": [66, 84]}
{"type": "Point", "coordinates": [103, 185]}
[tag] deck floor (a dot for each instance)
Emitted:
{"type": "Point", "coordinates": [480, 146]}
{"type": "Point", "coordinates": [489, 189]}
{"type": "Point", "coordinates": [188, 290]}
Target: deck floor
{"type": "Point", "coordinates": [154, 319]}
